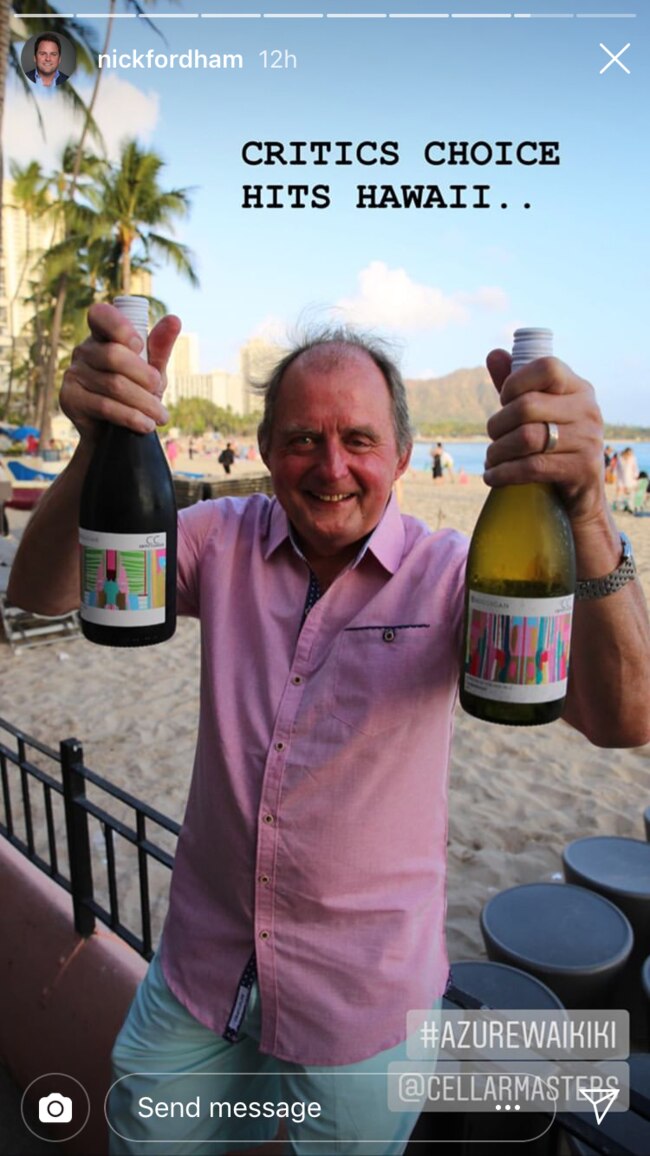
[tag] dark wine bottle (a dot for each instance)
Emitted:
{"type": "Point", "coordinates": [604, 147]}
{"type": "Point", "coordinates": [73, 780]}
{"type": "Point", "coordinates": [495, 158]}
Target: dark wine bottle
{"type": "Point", "coordinates": [520, 585]}
{"type": "Point", "coordinates": [127, 531]}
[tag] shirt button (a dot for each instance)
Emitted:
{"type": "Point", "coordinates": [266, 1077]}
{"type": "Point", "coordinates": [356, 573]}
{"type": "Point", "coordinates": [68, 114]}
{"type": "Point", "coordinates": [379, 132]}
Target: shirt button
{"type": "Point", "coordinates": [279, 746]}
{"type": "Point", "coordinates": [269, 819]}
{"type": "Point", "coordinates": [263, 879]}
{"type": "Point", "coordinates": [264, 934]}
{"type": "Point", "coordinates": [389, 634]}
{"type": "Point", "coordinates": [296, 680]}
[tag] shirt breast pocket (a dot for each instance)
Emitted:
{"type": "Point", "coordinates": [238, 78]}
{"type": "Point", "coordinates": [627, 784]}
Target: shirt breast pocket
{"type": "Point", "coordinates": [382, 675]}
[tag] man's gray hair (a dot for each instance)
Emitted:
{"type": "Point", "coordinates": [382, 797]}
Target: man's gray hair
{"type": "Point", "coordinates": [337, 339]}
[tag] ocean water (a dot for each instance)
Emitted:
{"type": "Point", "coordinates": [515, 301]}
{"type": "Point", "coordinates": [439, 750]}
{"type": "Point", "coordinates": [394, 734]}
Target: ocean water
{"type": "Point", "coordinates": [470, 456]}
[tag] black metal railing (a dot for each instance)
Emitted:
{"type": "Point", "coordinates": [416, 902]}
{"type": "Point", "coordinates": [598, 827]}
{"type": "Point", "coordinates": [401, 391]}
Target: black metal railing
{"type": "Point", "coordinates": [51, 804]}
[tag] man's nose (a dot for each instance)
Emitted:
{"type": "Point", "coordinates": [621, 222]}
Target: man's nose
{"type": "Point", "coordinates": [333, 460]}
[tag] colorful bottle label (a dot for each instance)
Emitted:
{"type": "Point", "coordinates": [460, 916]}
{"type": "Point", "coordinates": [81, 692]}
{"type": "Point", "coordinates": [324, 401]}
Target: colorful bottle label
{"type": "Point", "coordinates": [517, 649]}
{"type": "Point", "coordinates": [123, 578]}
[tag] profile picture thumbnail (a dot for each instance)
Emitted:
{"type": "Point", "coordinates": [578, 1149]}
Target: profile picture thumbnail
{"type": "Point", "coordinates": [48, 60]}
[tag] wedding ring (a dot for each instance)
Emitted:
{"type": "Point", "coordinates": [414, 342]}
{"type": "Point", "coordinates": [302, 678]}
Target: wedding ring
{"type": "Point", "coordinates": [552, 437]}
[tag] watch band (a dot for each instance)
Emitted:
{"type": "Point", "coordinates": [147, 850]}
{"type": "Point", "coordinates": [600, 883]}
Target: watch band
{"type": "Point", "coordinates": [610, 583]}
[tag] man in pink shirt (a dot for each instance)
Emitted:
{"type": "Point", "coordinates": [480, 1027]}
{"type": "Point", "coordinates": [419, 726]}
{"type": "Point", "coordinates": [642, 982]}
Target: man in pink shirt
{"type": "Point", "coordinates": [308, 899]}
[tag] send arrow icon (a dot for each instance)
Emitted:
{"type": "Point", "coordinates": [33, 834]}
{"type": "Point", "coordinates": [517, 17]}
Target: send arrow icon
{"type": "Point", "coordinates": [600, 1099]}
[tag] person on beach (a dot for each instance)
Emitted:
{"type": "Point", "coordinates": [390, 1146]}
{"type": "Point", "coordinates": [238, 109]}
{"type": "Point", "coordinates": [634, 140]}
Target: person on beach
{"type": "Point", "coordinates": [307, 907]}
{"type": "Point", "coordinates": [448, 465]}
{"type": "Point", "coordinates": [610, 465]}
{"type": "Point", "coordinates": [436, 457]}
{"type": "Point", "coordinates": [227, 457]}
{"type": "Point", "coordinates": [442, 462]}
{"type": "Point", "coordinates": [627, 474]}
{"type": "Point", "coordinates": [171, 449]}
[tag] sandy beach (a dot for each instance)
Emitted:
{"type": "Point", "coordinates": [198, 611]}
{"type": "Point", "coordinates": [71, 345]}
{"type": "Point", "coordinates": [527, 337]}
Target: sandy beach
{"type": "Point", "coordinates": [517, 796]}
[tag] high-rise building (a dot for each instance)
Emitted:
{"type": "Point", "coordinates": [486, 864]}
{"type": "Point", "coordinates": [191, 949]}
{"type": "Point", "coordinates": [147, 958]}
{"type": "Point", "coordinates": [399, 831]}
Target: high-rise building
{"type": "Point", "coordinates": [24, 241]}
{"type": "Point", "coordinates": [228, 390]}
{"type": "Point", "coordinates": [184, 361]}
{"type": "Point", "coordinates": [257, 359]}
{"type": "Point", "coordinates": [141, 283]}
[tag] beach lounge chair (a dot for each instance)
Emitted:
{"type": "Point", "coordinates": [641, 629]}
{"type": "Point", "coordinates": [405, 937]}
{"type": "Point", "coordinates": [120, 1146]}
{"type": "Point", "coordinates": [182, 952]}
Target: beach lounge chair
{"type": "Point", "coordinates": [24, 629]}
{"type": "Point", "coordinates": [28, 474]}
{"type": "Point", "coordinates": [21, 627]}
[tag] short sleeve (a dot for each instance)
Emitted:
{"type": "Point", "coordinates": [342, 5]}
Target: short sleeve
{"type": "Point", "coordinates": [194, 525]}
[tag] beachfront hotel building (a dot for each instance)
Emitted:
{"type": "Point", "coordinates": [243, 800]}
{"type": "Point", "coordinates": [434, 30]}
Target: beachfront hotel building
{"type": "Point", "coordinates": [227, 390]}
{"type": "Point", "coordinates": [24, 241]}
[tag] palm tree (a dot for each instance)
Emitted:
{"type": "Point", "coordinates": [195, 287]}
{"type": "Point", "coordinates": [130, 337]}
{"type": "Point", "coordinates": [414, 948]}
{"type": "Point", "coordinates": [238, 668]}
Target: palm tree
{"type": "Point", "coordinates": [62, 288]}
{"type": "Point", "coordinates": [65, 267]}
{"type": "Point", "coordinates": [53, 248]}
{"type": "Point", "coordinates": [29, 193]}
{"type": "Point", "coordinates": [5, 37]}
{"type": "Point", "coordinates": [133, 208]}
{"type": "Point", "coordinates": [111, 219]}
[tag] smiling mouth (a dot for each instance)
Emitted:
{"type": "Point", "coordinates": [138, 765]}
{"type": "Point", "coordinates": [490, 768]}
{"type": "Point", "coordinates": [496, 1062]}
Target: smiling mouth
{"type": "Point", "coordinates": [331, 498]}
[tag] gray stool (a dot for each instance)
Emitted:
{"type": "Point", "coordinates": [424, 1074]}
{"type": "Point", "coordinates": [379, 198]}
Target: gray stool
{"type": "Point", "coordinates": [619, 869]}
{"type": "Point", "coordinates": [568, 937]}
{"type": "Point", "coordinates": [498, 985]}
{"type": "Point", "coordinates": [645, 984]}
{"type": "Point", "coordinates": [481, 1134]}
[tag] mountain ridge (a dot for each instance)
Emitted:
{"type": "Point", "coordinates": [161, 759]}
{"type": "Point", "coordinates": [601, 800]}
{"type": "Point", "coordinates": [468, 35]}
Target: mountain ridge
{"type": "Point", "coordinates": [463, 398]}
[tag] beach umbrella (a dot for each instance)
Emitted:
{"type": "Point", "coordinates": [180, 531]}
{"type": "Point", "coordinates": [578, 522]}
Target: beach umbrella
{"type": "Point", "coordinates": [23, 431]}
{"type": "Point", "coordinates": [23, 473]}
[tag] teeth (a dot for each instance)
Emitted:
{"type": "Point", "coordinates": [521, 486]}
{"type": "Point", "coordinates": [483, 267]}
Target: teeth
{"type": "Point", "coordinates": [332, 497]}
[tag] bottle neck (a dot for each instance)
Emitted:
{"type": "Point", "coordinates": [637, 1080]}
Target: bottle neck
{"type": "Point", "coordinates": [529, 345]}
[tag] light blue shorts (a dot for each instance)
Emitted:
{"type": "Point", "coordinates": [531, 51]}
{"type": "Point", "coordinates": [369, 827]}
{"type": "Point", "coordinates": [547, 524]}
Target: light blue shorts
{"type": "Point", "coordinates": [193, 1093]}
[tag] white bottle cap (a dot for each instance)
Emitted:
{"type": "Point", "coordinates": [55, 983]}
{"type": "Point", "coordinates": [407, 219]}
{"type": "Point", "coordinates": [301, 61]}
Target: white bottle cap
{"type": "Point", "coordinates": [136, 309]}
{"type": "Point", "coordinates": [530, 344]}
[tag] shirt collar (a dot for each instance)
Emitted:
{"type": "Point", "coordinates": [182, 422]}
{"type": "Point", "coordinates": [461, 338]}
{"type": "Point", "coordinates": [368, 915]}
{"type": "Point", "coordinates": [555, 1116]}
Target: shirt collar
{"type": "Point", "coordinates": [386, 542]}
{"type": "Point", "coordinates": [37, 79]}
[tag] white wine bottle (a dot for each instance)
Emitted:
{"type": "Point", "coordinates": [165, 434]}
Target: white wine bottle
{"type": "Point", "coordinates": [519, 591]}
{"type": "Point", "coordinates": [127, 531]}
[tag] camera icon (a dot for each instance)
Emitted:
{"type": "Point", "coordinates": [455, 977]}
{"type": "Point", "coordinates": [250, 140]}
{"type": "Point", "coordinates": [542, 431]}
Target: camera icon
{"type": "Point", "coordinates": [55, 1109]}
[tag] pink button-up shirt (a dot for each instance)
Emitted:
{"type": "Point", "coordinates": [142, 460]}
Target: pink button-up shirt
{"type": "Point", "coordinates": [315, 830]}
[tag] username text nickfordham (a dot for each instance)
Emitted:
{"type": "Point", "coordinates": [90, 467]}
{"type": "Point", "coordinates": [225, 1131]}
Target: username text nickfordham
{"type": "Point", "coordinates": [192, 58]}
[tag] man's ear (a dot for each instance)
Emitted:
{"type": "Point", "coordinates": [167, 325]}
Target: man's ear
{"type": "Point", "coordinates": [403, 461]}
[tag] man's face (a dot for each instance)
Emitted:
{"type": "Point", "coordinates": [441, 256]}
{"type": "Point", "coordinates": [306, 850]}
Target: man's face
{"type": "Point", "coordinates": [47, 58]}
{"type": "Point", "coordinates": [333, 454]}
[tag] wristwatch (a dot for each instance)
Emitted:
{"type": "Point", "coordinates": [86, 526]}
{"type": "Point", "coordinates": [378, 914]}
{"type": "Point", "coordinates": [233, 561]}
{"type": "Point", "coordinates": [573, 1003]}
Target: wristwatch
{"type": "Point", "coordinates": [610, 583]}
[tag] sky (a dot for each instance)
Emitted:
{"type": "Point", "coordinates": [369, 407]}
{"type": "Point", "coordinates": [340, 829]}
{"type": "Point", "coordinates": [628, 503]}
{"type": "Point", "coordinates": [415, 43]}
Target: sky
{"type": "Point", "coordinates": [446, 284]}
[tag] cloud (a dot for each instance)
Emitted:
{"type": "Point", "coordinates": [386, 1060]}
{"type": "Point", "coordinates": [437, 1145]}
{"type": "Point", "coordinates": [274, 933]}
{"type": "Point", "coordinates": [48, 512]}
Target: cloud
{"type": "Point", "coordinates": [489, 297]}
{"type": "Point", "coordinates": [391, 299]}
{"type": "Point", "coordinates": [121, 111]}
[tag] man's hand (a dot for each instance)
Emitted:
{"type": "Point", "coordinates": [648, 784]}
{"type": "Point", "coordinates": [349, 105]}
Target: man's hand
{"type": "Point", "coordinates": [108, 380]}
{"type": "Point", "coordinates": [546, 390]}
